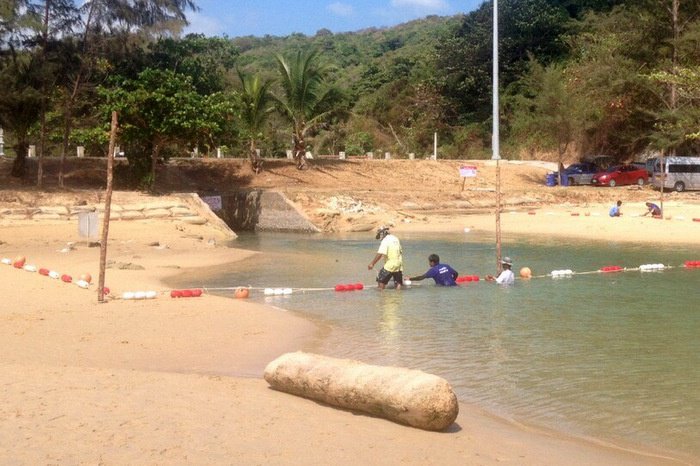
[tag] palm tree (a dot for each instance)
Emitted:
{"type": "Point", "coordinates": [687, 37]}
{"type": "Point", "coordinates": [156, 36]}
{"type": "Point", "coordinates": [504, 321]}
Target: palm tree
{"type": "Point", "coordinates": [308, 99]}
{"type": "Point", "coordinates": [255, 101]}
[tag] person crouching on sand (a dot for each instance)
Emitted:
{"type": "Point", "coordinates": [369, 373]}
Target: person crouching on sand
{"type": "Point", "coordinates": [615, 210]}
{"type": "Point", "coordinates": [390, 250]}
{"type": "Point", "coordinates": [652, 209]}
{"type": "Point", "coordinates": [506, 277]}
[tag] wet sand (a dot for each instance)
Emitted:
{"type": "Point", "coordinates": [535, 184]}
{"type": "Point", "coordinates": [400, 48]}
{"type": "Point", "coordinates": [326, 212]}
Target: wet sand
{"type": "Point", "coordinates": [178, 381]}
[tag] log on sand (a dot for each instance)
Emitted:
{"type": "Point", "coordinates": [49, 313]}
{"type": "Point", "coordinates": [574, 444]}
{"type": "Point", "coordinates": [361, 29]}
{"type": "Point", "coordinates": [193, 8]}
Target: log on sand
{"type": "Point", "coordinates": [402, 395]}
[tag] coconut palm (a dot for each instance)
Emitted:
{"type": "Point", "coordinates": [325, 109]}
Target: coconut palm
{"type": "Point", "coordinates": [307, 100]}
{"type": "Point", "coordinates": [256, 106]}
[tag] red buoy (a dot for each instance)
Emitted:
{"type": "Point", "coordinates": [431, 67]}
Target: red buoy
{"type": "Point", "coordinates": [359, 286]}
{"type": "Point", "coordinates": [341, 288]}
{"type": "Point", "coordinates": [176, 294]}
{"type": "Point", "coordinates": [44, 272]}
{"type": "Point", "coordinates": [66, 278]}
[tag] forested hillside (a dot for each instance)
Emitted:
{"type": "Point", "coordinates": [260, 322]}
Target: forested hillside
{"type": "Point", "coordinates": [577, 78]}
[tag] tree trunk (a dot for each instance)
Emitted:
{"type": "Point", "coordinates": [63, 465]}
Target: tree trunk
{"type": "Point", "coordinates": [154, 162]}
{"type": "Point", "coordinates": [255, 162]}
{"type": "Point", "coordinates": [300, 151]}
{"type": "Point", "coordinates": [19, 166]}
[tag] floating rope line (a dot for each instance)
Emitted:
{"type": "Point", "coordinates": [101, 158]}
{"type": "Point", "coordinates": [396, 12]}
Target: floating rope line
{"type": "Point", "coordinates": [84, 282]}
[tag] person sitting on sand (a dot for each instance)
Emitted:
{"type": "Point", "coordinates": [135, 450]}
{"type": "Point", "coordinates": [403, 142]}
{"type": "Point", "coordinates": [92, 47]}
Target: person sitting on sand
{"type": "Point", "coordinates": [615, 210]}
{"type": "Point", "coordinates": [390, 249]}
{"type": "Point", "coordinates": [652, 209]}
{"type": "Point", "coordinates": [506, 277]}
{"type": "Point", "coordinates": [443, 274]}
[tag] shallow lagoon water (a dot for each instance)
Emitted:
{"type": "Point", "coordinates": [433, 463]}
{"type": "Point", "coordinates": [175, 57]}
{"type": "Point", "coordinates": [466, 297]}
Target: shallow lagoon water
{"type": "Point", "coordinates": [609, 356]}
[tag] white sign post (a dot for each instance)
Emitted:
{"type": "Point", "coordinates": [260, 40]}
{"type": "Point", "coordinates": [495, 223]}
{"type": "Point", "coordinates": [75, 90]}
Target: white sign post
{"type": "Point", "coordinates": [467, 171]}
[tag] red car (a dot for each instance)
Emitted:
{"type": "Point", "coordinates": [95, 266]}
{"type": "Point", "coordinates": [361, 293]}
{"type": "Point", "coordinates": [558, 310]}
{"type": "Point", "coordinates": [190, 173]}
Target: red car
{"type": "Point", "coordinates": [620, 175]}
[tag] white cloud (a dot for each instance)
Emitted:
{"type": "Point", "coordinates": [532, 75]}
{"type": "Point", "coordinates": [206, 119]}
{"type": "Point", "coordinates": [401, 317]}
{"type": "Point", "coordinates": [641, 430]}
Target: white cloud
{"type": "Point", "coordinates": [207, 25]}
{"type": "Point", "coordinates": [340, 9]}
{"type": "Point", "coordinates": [432, 5]}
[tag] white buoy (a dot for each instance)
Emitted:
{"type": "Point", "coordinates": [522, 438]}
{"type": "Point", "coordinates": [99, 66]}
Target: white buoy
{"type": "Point", "coordinates": [6, 261]}
{"type": "Point", "coordinates": [82, 283]}
{"type": "Point", "coordinates": [287, 291]}
{"type": "Point", "coordinates": [30, 268]}
{"type": "Point", "coordinates": [140, 295]}
{"type": "Point", "coordinates": [151, 294]}
{"type": "Point", "coordinates": [128, 295]}
{"type": "Point", "coordinates": [54, 274]}
{"type": "Point", "coordinates": [268, 291]}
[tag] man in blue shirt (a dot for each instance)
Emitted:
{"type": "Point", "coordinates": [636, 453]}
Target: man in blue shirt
{"type": "Point", "coordinates": [443, 274]}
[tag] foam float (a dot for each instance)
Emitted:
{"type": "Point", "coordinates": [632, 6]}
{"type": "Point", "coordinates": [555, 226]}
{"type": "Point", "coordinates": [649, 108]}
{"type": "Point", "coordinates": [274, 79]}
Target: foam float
{"type": "Point", "coordinates": [561, 273]}
{"type": "Point", "coordinates": [406, 396]}
{"type": "Point", "coordinates": [277, 291]}
{"type": "Point", "coordinates": [139, 295]}
{"type": "Point", "coordinates": [351, 287]}
{"type": "Point", "coordinates": [611, 268]}
{"type": "Point", "coordinates": [651, 267]}
{"type": "Point", "coordinates": [193, 293]}
{"type": "Point", "coordinates": [467, 278]}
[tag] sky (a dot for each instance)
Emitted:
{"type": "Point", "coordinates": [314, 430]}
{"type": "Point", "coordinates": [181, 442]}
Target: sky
{"type": "Point", "coordinates": [235, 18]}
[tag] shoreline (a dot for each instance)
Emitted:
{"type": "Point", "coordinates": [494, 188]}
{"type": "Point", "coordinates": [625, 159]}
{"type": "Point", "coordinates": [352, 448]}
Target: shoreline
{"type": "Point", "coordinates": [147, 381]}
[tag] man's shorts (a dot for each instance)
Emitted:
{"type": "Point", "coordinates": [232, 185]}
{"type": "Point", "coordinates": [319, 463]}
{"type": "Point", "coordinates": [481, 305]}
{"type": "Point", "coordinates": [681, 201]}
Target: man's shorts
{"type": "Point", "coordinates": [384, 276]}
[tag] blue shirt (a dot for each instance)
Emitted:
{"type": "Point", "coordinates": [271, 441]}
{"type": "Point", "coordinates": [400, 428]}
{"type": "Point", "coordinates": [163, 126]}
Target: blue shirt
{"type": "Point", "coordinates": [443, 274]}
{"type": "Point", "coordinates": [615, 211]}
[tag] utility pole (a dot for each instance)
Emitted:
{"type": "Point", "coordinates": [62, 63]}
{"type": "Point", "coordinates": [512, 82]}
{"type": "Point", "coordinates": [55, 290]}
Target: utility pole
{"type": "Point", "coordinates": [495, 137]}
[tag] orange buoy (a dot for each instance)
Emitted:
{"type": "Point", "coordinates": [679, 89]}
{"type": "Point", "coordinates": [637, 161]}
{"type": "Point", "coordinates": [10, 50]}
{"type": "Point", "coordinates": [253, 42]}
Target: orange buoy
{"type": "Point", "coordinates": [19, 261]}
{"type": "Point", "coordinates": [86, 277]}
{"type": "Point", "coordinates": [526, 273]}
{"type": "Point", "coordinates": [241, 293]}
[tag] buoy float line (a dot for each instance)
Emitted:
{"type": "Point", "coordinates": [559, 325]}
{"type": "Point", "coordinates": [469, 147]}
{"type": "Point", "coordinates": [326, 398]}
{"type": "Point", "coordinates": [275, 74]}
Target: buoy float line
{"type": "Point", "coordinates": [268, 291]}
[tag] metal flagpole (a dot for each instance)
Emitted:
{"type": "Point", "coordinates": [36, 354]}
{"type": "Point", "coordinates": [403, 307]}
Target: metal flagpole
{"type": "Point", "coordinates": [495, 135]}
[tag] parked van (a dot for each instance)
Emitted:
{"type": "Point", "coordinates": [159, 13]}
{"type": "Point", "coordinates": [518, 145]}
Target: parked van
{"type": "Point", "coordinates": [681, 173]}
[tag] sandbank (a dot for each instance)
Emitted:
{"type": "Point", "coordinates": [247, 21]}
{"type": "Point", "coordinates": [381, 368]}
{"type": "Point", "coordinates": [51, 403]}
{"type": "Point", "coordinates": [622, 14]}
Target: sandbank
{"type": "Point", "coordinates": [178, 381]}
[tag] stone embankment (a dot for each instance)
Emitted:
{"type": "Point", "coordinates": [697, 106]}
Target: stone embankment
{"type": "Point", "coordinates": [185, 208]}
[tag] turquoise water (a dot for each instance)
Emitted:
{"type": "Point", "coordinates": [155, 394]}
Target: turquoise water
{"type": "Point", "coordinates": [609, 356]}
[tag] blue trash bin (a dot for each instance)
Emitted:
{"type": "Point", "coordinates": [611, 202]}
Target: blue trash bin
{"type": "Point", "coordinates": [551, 179]}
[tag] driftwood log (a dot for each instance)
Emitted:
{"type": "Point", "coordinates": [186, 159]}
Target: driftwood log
{"type": "Point", "coordinates": [402, 395]}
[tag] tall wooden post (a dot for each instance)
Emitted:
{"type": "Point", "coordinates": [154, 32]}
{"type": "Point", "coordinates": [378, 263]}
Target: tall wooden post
{"type": "Point", "coordinates": [108, 209]}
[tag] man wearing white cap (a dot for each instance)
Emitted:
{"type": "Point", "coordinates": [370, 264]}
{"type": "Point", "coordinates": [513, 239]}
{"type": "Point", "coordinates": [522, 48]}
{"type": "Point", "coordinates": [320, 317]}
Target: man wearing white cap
{"type": "Point", "coordinates": [506, 277]}
{"type": "Point", "coordinates": [390, 250]}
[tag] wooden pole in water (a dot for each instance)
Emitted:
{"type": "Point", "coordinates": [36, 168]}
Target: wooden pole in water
{"type": "Point", "coordinates": [108, 209]}
{"type": "Point", "coordinates": [498, 215]}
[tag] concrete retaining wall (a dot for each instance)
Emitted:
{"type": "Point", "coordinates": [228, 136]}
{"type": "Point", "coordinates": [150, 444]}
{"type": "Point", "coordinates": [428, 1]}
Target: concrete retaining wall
{"type": "Point", "coordinates": [259, 210]}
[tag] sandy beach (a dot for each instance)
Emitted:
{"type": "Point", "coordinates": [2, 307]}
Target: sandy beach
{"type": "Point", "coordinates": [179, 381]}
